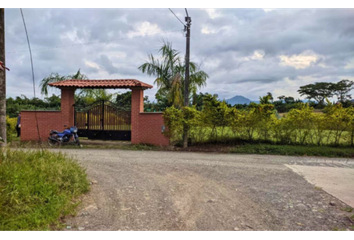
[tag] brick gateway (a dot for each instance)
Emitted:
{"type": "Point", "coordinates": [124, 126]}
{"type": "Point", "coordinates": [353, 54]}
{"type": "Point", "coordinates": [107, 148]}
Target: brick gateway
{"type": "Point", "coordinates": [145, 127]}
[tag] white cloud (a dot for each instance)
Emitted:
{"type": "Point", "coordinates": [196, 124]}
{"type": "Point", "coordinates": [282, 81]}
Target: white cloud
{"type": "Point", "coordinates": [245, 51]}
{"type": "Point", "coordinates": [257, 55]}
{"type": "Point", "coordinates": [207, 30]}
{"type": "Point", "coordinates": [300, 61]}
{"type": "Point", "coordinates": [91, 64]}
{"type": "Point", "coordinates": [211, 30]}
{"type": "Point", "coordinates": [213, 13]}
{"type": "Point", "coordinates": [268, 9]}
{"type": "Point", "coordinates": [144, 29]}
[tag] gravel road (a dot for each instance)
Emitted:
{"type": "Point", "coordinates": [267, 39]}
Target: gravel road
{"type": "Point", "coordinates": [148, 190]}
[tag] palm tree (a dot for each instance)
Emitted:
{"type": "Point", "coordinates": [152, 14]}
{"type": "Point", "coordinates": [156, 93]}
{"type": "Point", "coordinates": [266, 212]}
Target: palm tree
{"type": "Point", "coordinates": [96, 94]}
{"type": "Point", "coordinates": [169, 71]}
{"type": "Point", "coordinates": [265, 100]}
{"type": "Point", "coordinates": [55, 77]}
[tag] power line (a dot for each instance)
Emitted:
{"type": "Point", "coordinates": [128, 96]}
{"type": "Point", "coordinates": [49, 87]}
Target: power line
{"type": "Point", "coordinates": [87, 43]}
{"type": "Point", "coordinates": [177, 17]}
{"type": "Point", "coordinates": [34, 84]}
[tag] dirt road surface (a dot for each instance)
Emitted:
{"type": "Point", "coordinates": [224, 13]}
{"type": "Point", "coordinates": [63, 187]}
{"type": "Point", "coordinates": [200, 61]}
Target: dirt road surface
{"type": "Point", "coordinates": [148, 190]}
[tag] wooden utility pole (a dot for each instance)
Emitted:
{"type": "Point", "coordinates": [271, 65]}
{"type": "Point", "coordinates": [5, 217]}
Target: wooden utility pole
{"type": "Point", "coordinates": [2, 80]}
{"type": "Point", "coordinates": [186, 78]}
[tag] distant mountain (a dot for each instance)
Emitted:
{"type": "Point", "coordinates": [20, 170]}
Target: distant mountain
{"type": "Point", "coordinates": [238, 100]}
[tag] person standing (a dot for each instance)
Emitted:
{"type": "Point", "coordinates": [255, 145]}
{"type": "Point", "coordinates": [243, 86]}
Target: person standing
{"type": "Point", "coordinates": [18, 125]}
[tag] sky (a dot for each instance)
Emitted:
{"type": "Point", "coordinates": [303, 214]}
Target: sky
{"type": "Point", "coordinates": [246, 52]}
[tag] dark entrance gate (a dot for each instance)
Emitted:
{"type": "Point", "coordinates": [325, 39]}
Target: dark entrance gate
{"type": "Point", "coordinates": [103, 120]}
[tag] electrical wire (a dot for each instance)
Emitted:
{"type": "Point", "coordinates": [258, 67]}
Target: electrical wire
{"type": "Point", "coordinates": [177, 17]}
{"type": "Point", "coordinates": [86, 43]}
{"type": "Point", "coordinates": [34, 84]}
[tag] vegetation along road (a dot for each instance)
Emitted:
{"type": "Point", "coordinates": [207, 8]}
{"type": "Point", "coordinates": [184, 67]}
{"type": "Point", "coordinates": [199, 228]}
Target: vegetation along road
{"type": "Point", "coordinates": [147, 190]}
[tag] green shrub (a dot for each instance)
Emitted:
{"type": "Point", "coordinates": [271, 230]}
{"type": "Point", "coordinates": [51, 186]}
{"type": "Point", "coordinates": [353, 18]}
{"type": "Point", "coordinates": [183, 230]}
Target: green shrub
{"type": "Point", "coordinates": [218, 122]}
{"type": "Point", "coordinates": [10, 128]}
{"type": "Point", "coordinates": [37, 188]}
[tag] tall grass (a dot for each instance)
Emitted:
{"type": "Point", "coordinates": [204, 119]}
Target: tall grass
{"type": "Point", "coordinates": [37, 188]}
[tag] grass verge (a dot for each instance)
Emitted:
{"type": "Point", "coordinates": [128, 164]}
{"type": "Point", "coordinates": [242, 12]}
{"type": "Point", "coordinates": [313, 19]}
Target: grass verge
{"type": "Point", "coordinates": [294, 150]}
{"type": "Point", "coordinates": [38, 188]}
{"type": "Point", "coordinates": [236, 147]}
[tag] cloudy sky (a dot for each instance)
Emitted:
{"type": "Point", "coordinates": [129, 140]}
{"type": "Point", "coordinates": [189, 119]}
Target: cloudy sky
{"type": "Point", "coordinates": [246, 52]}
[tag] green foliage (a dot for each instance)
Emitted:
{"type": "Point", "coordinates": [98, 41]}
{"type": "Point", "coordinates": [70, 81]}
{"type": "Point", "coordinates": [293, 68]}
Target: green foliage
{"type": "Point", "coordinates": [37, 188]}
{"type": "Point", "coordinates": [318, 91]}
{"type": "Point", "coordinates": [169, 71]}
{"type": "Point", "coordinates": [13, 106]}
{"type": "Point", "coordinates": [173, 118]}
{"type": "Point", "coordinates": [10, 128]}
{"type": "Point", "coordinates": [158, 106]}
{"type": "Point", "coordinates": [294, 150]}
{"type": "Point", "coordinates": [55, 77]}
{"type": "Point", "coordinates": [266, 99]}
{"type": "Point", "coordinates": [285, 104]}
{"type": "Point", "coordinates": [124, 100]}
{"type": "Point", "coordinates": [341, 90]}
{"type": "Point", "coordinates": [218, 122]}
{"type": "Point", "coordinates": [89, 96]}
{"type": "Point", "coordinates": [300, 122]}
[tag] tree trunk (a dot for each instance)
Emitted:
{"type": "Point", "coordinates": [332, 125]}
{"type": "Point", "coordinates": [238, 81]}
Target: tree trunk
{"type": "Point", "coordinates": [2, 79]}
{"type": "Point", "coordinates": [185, 136]}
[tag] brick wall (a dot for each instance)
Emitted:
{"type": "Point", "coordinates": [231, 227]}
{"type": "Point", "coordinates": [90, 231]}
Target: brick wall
{"type": "Point", "coordinates": [48, 120]}
{"type": "Point", "coordinates": [146, 127]}
{"type": "Point", "coordinates": [67, 106]}
{"type": "Point", "coordinates": [150, 129]}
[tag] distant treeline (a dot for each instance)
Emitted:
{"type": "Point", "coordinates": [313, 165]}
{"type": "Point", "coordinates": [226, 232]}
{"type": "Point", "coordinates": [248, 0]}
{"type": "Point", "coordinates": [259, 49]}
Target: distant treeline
{"type": "Point", "coordinates": [15, 105]}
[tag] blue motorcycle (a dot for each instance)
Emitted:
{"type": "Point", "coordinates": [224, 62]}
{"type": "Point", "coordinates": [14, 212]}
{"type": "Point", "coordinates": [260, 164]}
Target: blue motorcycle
{"type": "Point", "coordinates": [68, 136]}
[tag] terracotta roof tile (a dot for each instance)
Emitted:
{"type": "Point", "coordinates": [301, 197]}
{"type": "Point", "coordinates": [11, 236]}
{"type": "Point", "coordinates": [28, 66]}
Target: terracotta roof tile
{"type": "Point", "coordinates": [105, 83]}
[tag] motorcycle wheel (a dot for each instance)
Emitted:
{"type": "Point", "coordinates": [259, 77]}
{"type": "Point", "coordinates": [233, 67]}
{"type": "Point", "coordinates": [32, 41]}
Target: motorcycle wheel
{"type": "Point", "coordinates": [53, 143]}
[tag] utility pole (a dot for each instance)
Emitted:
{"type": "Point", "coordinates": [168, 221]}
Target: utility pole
{"type": "Point", "coordinates": [2, 80]}
{"type": "Point", "coordinates": [186, 79]}
{"type": "Point", "coordinates": [187, 28]}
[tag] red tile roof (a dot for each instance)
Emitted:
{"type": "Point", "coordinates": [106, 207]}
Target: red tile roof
{"type": "Point", "coordinates": [106, 83]}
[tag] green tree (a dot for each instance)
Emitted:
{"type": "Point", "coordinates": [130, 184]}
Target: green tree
{"type": "Point", "coordinates": [270, 96]}
{"type": "Point", "coordinates": [55, 77]}
{"type": "Point", "coordinates": [265, 99]}
{"type": "Point", "coordinates": [341, 90]}
{"type": "Point", "coordinates": [318, 91]}
{"type": "Point", "coordinates": [53, 102]}
{"type": "Point", "coordinates": [124, 100]}
{"type": "Point", "coordinates": [339, 121]}
{"type": "Point", "coordinates": [169, 71]}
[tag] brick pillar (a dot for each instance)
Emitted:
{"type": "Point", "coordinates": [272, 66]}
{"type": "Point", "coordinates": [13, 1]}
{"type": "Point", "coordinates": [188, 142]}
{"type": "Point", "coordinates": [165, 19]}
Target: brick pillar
{"type": "Point", "coordinates": [67, 108]}
{"type": "Point", "coordinates": [137, 108]}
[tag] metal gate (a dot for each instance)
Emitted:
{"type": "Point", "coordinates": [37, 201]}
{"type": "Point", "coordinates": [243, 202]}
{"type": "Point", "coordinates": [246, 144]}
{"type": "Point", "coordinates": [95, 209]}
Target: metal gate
{"type": "Point", "coordinates": [103, 120]}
